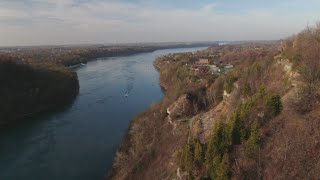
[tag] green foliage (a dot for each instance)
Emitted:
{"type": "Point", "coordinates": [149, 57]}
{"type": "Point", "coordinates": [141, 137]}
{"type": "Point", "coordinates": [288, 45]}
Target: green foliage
{"type": "Point", "coordinates": [245, 109]}
{"type": "Point", "coordinates": [198, 153]}
{"type": "Point", "coordinates": [191, 155]}
{"type": "Point", "coordinates": [236, 128]}
{"type": "Point", "coordinates": [229, 83]}
{"type": "Point", "coordinates": [223, 169]}
{"type": "Point", "coordinates": [236, 124]}
{"type": "Point", "coordinates": [216, 150]}
{"type": "Point", "coordinates": [254, 140]}
{"type": "Point", "coordinates": [186, 158]}
{"type": "Point", "coordinates": [218, 142]}
{"type": "Point", "coordinates": [261, 93]}
{"type": "Point", "coordinates": [182, 73]}
{"type": "Point", "coordinates": [273, 106]}
{"type": "Point", "coordinates": [138, 167]}
{"type": "Point", "coordinates": [247, 89]}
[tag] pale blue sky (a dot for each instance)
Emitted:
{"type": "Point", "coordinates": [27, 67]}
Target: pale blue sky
{"type": "Point", "coordinates": [37, 22]}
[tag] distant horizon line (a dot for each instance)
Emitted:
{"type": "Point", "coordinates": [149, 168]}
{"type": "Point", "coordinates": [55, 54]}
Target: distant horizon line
{"type": "Point", "coordinates": [135, 43]}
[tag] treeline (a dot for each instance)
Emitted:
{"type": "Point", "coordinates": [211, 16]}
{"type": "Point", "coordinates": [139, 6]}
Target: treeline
{"type": "Point", "coordinates": [69, 56]}
{"type": "Point", "coordinates": [27, 89]}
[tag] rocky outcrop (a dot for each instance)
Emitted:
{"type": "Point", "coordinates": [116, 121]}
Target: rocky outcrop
{"type": "Point", "coordinates": [182, 107]}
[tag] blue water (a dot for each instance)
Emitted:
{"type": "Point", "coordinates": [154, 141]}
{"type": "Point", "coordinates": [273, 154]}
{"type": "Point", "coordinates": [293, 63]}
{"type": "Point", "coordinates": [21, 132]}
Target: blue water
{"type": "Point", "coordinates": [79, 142]}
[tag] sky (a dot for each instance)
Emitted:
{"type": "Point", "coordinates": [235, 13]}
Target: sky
{"type": "Point", "coordinates": [57, 22]}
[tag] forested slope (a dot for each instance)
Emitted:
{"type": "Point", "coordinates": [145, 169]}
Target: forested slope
{"type": "Point", "coordinates": [258, 121]}
{"type": "Point", "coordinates": [27, 89]}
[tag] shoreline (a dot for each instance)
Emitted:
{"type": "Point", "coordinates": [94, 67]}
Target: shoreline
{"type": "Point", "coordinates": [126, 144]}
{"type": "Point", "coordinates": [127, 52]}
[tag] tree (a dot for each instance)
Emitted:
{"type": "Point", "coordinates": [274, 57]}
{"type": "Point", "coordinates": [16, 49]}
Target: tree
{"type": "Point", "coordinates": [186, 157]}
{"type": "Point", "coordinates": [218, 141]}
{"type": "Point", "coordinates": [198, 153]}
{"type": "Point", "coordinates": [273, 106]}
{"type": "Point", "coordinates": [254, 140]}
{"type": "Point", "coordinates": [229, 83]}
{"type": "Point", "coordinates": [217, 148]}
{"type": "Point", "coordinates": [223, 170]}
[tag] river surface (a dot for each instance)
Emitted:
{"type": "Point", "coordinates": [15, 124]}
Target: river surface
{"type": "Point", "coordinates": [79, 142]}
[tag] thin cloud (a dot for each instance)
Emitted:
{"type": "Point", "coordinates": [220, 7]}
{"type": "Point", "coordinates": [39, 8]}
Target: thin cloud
{"type": "Point", "coordinates": [35, 22]}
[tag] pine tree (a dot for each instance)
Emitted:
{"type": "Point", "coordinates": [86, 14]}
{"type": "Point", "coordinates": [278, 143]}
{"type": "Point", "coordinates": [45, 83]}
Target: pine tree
{"type": "Point", "coordinates": [273, 106]}
{"type": "Point", "coordinates": [254, 139]}
{"type": "Point", "coordinates": [224, 168]}
{"type": "Point", "coordinates": [217, 147]}
{"type": "Point", "coordinates": [236, 129]}
{"type": "Point", "coordinates": [198, 153]}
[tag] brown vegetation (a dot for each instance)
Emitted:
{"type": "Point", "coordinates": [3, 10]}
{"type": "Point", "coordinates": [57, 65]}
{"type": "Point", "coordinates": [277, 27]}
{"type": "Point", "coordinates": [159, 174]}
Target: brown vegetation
{"type": "Point", "coordinates": [266, 127]}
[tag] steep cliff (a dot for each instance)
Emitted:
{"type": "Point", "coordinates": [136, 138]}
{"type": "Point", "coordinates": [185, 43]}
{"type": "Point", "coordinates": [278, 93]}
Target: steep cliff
{"type": "Point", "coordinates": [256, 121]}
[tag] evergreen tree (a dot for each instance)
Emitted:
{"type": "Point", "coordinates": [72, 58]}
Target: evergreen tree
{"type": "Point", "coordinates": [223, 170]}
{"type": "Point", "coordinates": [273, 106]}
{"type": "Point", "coordinates": [254, 139]}
{"type": "Point", "coordinates": [218, 146]}
{"type": "Point", "coordinates": [236, 128]}
{"type": "Point", "coordinates": [198, 153]}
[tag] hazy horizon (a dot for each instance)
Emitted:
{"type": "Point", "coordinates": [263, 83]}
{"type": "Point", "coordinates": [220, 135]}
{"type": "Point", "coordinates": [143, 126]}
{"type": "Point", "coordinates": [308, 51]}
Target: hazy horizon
{"type": "Point", "coordinates": [73, 22]}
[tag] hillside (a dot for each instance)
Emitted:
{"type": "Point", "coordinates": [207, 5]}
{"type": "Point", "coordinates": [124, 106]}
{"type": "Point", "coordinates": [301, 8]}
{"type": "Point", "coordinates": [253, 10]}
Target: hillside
{"type": "Point", "coordinates": [28, 89]}
{"type": "Point", "coordinates": [256, 120]}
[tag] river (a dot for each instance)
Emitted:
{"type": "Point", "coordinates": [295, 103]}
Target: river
{"type": "Point", "coordinates": [79, 141]}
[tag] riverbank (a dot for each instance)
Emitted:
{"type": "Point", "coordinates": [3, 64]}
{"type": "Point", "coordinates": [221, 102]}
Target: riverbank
{"type": "Point", "coordinates": [30, 89]}
{"type": "Point", "coordinates": [230, 125]}
{"type": "Point", "coordinates": [59, 145]}
{"type": "Point", "coordinates": [151, 139]}
{"type": "Point", "coordinates": [73, 55]}
{"type": "Point", "coordinates": [156, 138]}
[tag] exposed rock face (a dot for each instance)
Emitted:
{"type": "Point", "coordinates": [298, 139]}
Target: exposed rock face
{"type": "Point", "coordinates": [270, 146]}
{"type": "Point", "coordinates": [225, 94]}
{"type": "Point", "coordinates": [180, 108]}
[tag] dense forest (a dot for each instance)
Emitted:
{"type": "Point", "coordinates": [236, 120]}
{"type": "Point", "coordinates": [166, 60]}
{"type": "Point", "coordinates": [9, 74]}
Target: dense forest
{"type": "Point", "coordinates": [259, 120]}
{"type": "Point", "coordinates": [27, 89]}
